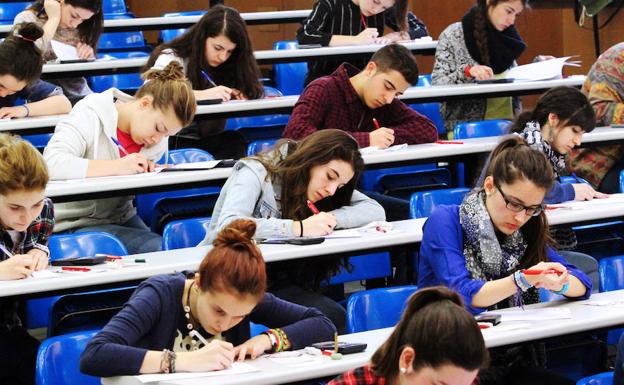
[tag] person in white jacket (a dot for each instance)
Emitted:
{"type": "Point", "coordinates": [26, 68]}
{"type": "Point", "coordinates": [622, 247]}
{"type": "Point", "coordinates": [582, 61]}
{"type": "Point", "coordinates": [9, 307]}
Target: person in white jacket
{"type": "Point", "coordinates": [112, 133]}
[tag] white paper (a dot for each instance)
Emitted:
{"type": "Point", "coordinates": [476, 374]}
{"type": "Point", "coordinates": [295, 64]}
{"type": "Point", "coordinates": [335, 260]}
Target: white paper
{"type": "Point", "coordinates": [372, 149]}
{"type": "Point", "coordinates": [43, 274]}
{"type": "Point", "coordinates": [584, 205]}
{"type": "Point", "coordinates": [542, 70]}
{"type": "Point", "coordinates": [197, 165]}
{"type": "Point", "coordinates": [237, 368]}
{"type": "Point", "coordinates": [349, 233]}
{"type": "Point", "coordinates": [606, 303]}
{"type": "Point", "coordinates": [64, 51]}
{"type": "Point", "coordinates": [295, 359]}
{"type": "Point", "coordinates": [535, 314]}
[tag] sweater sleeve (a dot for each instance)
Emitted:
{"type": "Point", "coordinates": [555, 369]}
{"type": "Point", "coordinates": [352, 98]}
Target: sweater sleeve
{"type": "Point", "coordinates": [553, 256]}
{"type": "Point", "coordinates": [606, 100]}
{"type": "Point", "coordinates": [309, 112]}
{"type": "Point", "coordinates": [415, 27]}
{"type": "Point", "coordinates": [442, 249]}
{"type": "Point", "coordinates": [112, 352]}
{"type": "Point", "coordinates": [409, 126]}
{"type": "Point", "coordinates": [446, 68]}
{"type": "Point", "coordinates": [303, 325]}
{"type": "Point", "coordinates": [560, 192]}
{"type": "Point", "coordinates": [29, 17]}
{"type": "Point", "coordinates": [314, 28]}
{"type": "Point", "coordinates": [360, 211]}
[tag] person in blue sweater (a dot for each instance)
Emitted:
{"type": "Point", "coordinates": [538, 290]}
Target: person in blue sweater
{"type": "Point", "coordinates": [156, 331]}
{"type": "Point", "coordinates": [481, 247]}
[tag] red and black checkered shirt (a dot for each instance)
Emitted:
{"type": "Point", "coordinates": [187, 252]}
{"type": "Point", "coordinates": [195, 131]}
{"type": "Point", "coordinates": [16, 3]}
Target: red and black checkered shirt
{"type": "Point", "coordinates": [360, 376]}
{"type": "Point", "coordinates": [36, 235]}
{"type": "Point", "coordinates": [332, 102]}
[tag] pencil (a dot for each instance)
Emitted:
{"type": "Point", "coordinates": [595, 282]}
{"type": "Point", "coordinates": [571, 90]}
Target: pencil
{"type": "Point", "coordinates": [335, 342]}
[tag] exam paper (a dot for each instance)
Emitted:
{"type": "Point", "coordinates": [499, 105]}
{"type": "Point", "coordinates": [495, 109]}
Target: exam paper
{"type": "Point", "coordinates": [534, 314]}
{"type": "Point", "coordinates": [64, 51]}
{"type": "Point", "coordinates": [197, 165]}
{"type": "Point", "coordinates": [542, 70]}
{"type": "Point", "coordinates": [237, 368]}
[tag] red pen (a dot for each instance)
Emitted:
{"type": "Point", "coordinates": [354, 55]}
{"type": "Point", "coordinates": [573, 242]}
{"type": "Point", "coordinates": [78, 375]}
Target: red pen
{"type": "Point", "coordinates": [376, 123]}
{"type": "Point", "coordinates": [312, 207]}
{"type": "Point", "coordinates": [448, 142]}
{"type": "Point", "coordinates": [538, 272]}
{"type": "Point", "coordinates": [74, 268]}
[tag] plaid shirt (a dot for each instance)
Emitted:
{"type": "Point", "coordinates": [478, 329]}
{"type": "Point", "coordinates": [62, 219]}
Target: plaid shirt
{"type": "Point", "coordinates": [35, 237]}
{"type": "Point", "coordinates": [331, 102]}
{"type": "Point", "coordinates": [605, 89]}
{"type": "Point", "coordinates": [360, 376]}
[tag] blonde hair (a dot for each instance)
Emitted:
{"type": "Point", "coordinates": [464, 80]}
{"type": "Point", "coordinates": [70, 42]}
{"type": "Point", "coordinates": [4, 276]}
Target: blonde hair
{"type": "Point", "coordinates": [22, 167]}
{"type": "Point", "coordinates": [170, 88]}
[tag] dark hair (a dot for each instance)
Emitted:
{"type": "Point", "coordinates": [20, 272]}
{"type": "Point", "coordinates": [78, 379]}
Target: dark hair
{"type": "Point", "coordinates": [89, 30]}
{"type": "Point", "coordinates": [569, 104]}
{"type": "Point", "coordinates": [398, 58]}
{"type": "Point", "coordinates": [481, 26]}
{"type": "Point", "coordinates": [234, 262]}
{"type": "Point", "coordinates": [240, 71]}
{"type": "Point", "coordinates": [19, 57]}
{"type": "Point", "coordinates": [439, 329]}
{"type": "Point", "coordinates": [513, 160]}
{"type": "Point", "coordinates": [400, 13]}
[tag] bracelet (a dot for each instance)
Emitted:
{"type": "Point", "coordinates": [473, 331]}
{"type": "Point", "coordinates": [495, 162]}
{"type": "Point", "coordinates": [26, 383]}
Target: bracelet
{"type": "Point", "coordinates": [301, 228]}
{"type": "Point", "coordinates": [520, 281]}
{"type": "Point", "coordinates": [284, 338]}
{"type": "Point", "coordinates": [27, 110]}
{"type": "Point", "coordinates": [165, 361]}
{"type": "Point", "coordinates": [275, 340]}
{"type": "Point", "coordinates": [562, 291]}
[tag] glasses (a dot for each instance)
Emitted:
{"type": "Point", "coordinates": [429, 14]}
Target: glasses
{"type": "Point", "coordinates": [531, 211]}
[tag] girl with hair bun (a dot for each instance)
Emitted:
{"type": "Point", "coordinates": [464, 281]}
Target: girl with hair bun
{"type": "Point", "coordinates": [20, 69]}
{"type": "Point", "coordinates": [169, 318]}
{"type": "Point", "coordinates": [111, 133]}
{"type": "Point", "coordinates": [436, 342]}
{"type": "Point", "coordinates": [26, 221]}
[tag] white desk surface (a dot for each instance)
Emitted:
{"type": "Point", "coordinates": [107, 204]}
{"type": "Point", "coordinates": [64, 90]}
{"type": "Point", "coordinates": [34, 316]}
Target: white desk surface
{"type": "Point", "coordinates": [412, 95]}
{"type": "Point", "coordinates": [167, 262]}
{"type": "Point", "coordinates": [584, 318]}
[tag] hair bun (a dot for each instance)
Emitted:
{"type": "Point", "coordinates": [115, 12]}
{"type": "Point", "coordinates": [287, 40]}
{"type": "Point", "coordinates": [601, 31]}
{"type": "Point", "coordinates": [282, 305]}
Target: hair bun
{"type": "Point", "coordinates": [173, 71]}
{"type": "Point", "coordinates": [29, 32]}
{"type": "Point", "coordinates": [238, 232]}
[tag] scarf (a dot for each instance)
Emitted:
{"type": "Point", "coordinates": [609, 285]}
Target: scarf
{"type": "Point", "coordinates": [487, 257]}
{"type": "Point", "coordinates": [504, 46]}
{"type": "Point", "coordinates": [532, 134]}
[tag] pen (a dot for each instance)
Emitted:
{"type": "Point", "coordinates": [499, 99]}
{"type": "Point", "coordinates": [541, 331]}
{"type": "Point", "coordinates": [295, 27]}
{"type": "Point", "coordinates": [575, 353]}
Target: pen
{"type": "Point", "coordinates": [312, 207]}
{"type": "Point", "coordinates": [448, 142]}
{"type": "Point", "coordinates": [6, 251]}
{"type": "Point", "coordinates": [335, 342]}
{"type": "Point", "coordinates": [195, 333]}
{"type": "Point", "coordinates": [376, 123]}
{"type": "Point", "coordinates": [538, 272]}
{"type": "Point", "coordinates": [121, 148]}
{"type": "Point", "coordinates": [74, 268]}
{"type": "Point", "coordinates": [208, 78]}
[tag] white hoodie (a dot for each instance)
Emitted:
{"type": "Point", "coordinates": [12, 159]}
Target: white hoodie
{"type": "Point", "coordinates": [86, 134]}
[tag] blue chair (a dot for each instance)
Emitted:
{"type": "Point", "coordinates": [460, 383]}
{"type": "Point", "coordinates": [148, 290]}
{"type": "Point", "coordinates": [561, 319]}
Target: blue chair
{"type": "Point", "coordinates": [376, 308]}
{"type": "Point", "coordinates": [159, 208]}
{"type": "Point", "coordinates": [125, 82]}
{"type": "Point", "coordinates": [289, 77]}
{"type": "Point", "coordinates": [114, 7]}
{"type": "Point", "coordinates": [184, 233]}
{"type": "Point", "coordinates": [424, 202]}
{"type": "Point", "coordinates": [69, 245]}
{"type": "Point", "coordinates": [403, 183]}
{"type": "Point", "coordinates": [597, 379]}
{"type": "Point", "coordinates": [122, 41]}
{"type": "Point", "coordinates": [430, 110]}
{"type": "Point", "coordinates": [260, 146]}
{"type": "Point", "coordinates": [8, 11]}
{"type": "Point", "coordinates": [481, 129]}
{"type": "Point", "coordinates": [255, 329]}
{"type": "Point", "coordinates": [170, 34]}
{"type": "Point", "coordinates": [611, 275]}
{"type": "Point", "coordinates": [363, 267]}
{"type": "Point", "coordinates": [38, 140]}
{"type": "Point", "coordinates": [58, 360]}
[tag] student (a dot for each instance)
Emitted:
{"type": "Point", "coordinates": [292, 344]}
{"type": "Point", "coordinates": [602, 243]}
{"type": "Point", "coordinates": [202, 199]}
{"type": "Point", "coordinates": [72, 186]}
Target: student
{"type": "Point", "coordinates": [483, 44]}
{"type": "Point", "coordinates": [352, 100]}
{"type": "Point", "coordinates": [75, 22]}
{"type": "Point", "coordinates": [84, 145]}
{"type": "Point", "coordinates": [350, 22]}
{"type": "Point", "coordinates": [218, 59]}
{"type": "Point", "coordinates": [26, 221]}
{"type": "Point", "coordinates": [20, 68]}
{"type": "Point", "coordinates": [604, 86]}
{"type": "Point", "coordinates": [451, 351]}
{"type": "Point", "coordinates": [153, 333]}
{"type": "Point", "coordinates": [272, 189]}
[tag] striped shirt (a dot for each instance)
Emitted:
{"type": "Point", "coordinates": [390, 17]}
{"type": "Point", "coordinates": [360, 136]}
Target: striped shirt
{"type": "Point", "coordinates": [343, 17]}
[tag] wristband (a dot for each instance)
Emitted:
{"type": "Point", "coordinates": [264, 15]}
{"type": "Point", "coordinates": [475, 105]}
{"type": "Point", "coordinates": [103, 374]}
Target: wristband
{"type": "Point", "coordinates": [273, 339]}
{"type": "Point", "coordinates": [301, 228]}
{"type": "Point", "coordinates": [562, 291]}
{"type": "Point", "coordinates": [467, 72]}
{"type": "Point", "coordinates": [27, 110]}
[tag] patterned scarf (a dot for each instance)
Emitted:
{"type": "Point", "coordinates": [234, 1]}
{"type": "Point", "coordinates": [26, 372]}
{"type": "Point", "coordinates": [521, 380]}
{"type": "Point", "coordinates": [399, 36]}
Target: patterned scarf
{"type": "Point", "coordinates": [487, 257]}
{"type": "Point", "coordinates": [532, 134]}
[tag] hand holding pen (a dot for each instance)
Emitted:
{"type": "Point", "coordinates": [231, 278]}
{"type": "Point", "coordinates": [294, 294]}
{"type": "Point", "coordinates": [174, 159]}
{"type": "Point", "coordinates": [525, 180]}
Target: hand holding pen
{"type": "Point", "coordinates": [215, 92]}
{"type": "Point", "coordinates": [16, 266]}
{"type": "Point", "coordinates": [320, 223]}
{"type": "Point", "coordinates": [381, 137]}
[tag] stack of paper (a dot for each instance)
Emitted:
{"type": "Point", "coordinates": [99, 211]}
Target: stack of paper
{"type": "Point", "coordinates": [543, 70]}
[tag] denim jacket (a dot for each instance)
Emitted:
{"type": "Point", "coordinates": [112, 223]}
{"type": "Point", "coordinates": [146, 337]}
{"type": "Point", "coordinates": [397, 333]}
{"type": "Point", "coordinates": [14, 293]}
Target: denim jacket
{"type": "Point", "coordinates": [250, 193]}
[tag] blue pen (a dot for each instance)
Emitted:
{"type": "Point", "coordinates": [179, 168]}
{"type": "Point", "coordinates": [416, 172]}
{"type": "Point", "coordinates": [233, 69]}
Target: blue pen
{"type": "Point", "coordinates": [119, 146]}
{"type": "Point", "coordinates": [208, 78]}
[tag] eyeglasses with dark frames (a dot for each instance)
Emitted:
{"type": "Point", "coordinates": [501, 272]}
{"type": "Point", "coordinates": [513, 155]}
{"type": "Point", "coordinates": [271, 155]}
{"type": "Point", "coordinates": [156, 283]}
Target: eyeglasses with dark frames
{"type": "Point", "coordinates": [516, 207]}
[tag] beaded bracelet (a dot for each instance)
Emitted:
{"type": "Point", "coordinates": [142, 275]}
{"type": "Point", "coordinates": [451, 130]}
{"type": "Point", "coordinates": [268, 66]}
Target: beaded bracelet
{"type": "Point", "coordinates": [562, 291]}
{"type": "Point", "coordinates": [166, 359]}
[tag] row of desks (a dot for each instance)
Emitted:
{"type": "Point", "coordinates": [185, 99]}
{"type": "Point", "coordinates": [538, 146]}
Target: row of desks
{"type": "Point", "coordinates": [285, 104]}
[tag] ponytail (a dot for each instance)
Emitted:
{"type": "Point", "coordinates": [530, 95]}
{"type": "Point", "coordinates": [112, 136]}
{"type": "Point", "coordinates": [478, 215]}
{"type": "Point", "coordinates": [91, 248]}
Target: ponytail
{"type": "Point", "coordinates": [439, 329]}
{"type": "Point", "coordinates": [19, 57]}
{"type": "Point", "coordinates": [22, 167]}
{"type": "Point", "coordinates": [170, 89]}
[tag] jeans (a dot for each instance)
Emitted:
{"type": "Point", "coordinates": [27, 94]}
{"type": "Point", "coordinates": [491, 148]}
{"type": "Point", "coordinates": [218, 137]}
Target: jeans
{"type": "Point", "coordinates": [134, 234]}
{"type": "Point", "coordinates": [18, 354]}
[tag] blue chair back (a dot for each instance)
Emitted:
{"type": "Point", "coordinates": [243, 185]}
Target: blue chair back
{"type": "Point", "coordinates": [430, 110]}
{"type": "Point", "coordinates": [376, 308]}
{"type": "Point", "coordinates": [260, 127]}
{"type": "Point", "coordinates": [184, 233]}
{"type": "Point", "coordinates": [622, 181]}
{"type": "Point", "coordinates": [170, 34]}
{"type": "Point", "coordinates": [481, 129]}
{"type": "Point", "coordinates": [597, 379]}
{"type": "Point", "coordinates": [125, 82]}
{"type": "Point", "coordinates": [38, 140]}
{"type": "Point", "coordinates": [289, 77]}
{"type": "Point", "coordinates": [8, 11]}
{"type": "Point", "coordinates": [259, 146]}
{"type": "Point", "coordinates": [189, 155]}
{"type": "Point", "coordinates": [402, 184]}
{"type": "Point", "coordinates": [364, 267]}
{"type": "Point", "coordinates": [58, 360]}
{"type": "Point", "coordinates": [119, 41]}
{"type": "Point", "coordinates": [424, 202]}
{"type": "Point", "coordinates": [255, 329]}
{"type": "Point", "coordinates": [114, 7]}
{"type": "Point", "coordinates": [611, 272]}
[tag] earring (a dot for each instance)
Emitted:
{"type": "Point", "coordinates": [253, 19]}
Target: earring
{"type": "Point", "coordinates": [403, 370]}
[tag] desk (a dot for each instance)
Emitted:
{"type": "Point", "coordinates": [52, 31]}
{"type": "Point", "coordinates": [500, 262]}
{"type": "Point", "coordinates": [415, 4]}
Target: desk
{"type": "Point", "coordinates": [285, 104]}
{"type": "Point", "coordinates": [584, 318]}
{"type": "Point", "coordinates": [263, 57]}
